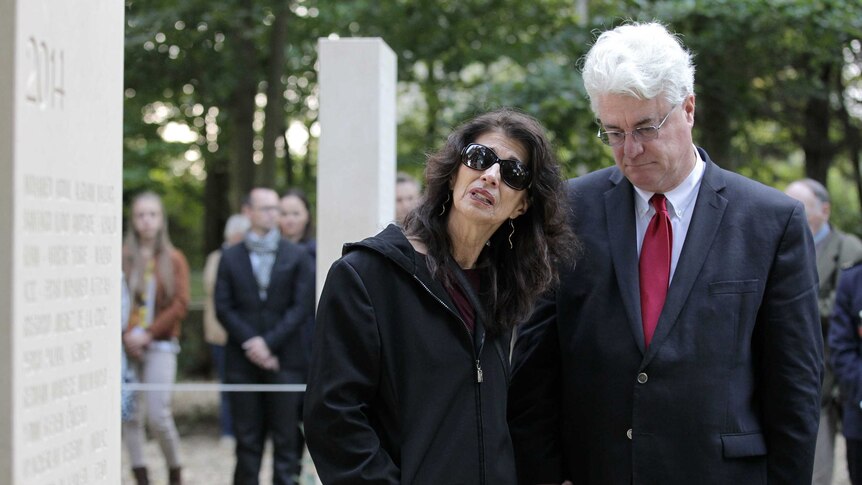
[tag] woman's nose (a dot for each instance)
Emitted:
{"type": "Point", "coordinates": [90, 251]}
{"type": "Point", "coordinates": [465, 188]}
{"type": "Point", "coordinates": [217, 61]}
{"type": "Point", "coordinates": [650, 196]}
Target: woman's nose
{"type": "Point", "coordinates": [492, 174]}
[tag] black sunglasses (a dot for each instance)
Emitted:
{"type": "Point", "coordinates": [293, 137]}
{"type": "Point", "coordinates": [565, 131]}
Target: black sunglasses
{"type": "Point", "coordinates": [514, 173]}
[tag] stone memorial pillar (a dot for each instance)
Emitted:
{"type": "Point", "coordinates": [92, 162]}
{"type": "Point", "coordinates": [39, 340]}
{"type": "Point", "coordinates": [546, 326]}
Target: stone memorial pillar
{"type": "Point", "coordinates": [61, 95]}
{"type": "Point", "coordinates": [356, 166]}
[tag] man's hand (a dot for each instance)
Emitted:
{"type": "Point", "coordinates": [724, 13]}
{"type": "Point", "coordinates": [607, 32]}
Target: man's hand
{"type": "Point", "coordinates": [258, 352]}
{"type": "Point", "coordinates": [271, 364]}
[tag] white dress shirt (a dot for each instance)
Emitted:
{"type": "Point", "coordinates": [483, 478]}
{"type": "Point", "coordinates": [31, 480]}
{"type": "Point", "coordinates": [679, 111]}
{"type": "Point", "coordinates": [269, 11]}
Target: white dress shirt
{"type": "Point", "coordinates": [680, 206]}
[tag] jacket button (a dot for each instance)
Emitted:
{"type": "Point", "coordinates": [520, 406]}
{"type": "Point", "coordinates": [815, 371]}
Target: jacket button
{"type": "Point", "coordinates": [629, 433]}
{"type": "Point", "coordinates": [642, 377]}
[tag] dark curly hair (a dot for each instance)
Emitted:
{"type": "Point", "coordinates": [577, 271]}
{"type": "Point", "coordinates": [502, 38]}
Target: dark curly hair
{"type": "Point", "coordinates": [542, 240]}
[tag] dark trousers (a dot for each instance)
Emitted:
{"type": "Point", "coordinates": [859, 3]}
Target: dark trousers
{"type": "Point", "coordinates": [257, 415]}
{"type": "Point", "coordinates": [225, 424]}
{"type": "Point", "coordinates": [854, 461]}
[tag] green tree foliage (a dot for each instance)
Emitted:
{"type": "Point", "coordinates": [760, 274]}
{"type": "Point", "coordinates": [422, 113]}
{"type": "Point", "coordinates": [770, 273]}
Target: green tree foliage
{"type": "Point", "coordinates": [778, 86]}
{"type": "Point", "coordinates": [773, 82]}
{"type": "Point", "coordinates": [201, 69]}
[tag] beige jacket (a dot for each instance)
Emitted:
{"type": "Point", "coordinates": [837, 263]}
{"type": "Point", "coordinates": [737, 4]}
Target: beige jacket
{"type": "Point", "coordinates": [214, 333]}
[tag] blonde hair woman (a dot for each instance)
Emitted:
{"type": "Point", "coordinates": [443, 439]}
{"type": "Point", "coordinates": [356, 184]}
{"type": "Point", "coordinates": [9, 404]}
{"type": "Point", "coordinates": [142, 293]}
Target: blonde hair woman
{"type": "Point", "coordinates": [157, 275]}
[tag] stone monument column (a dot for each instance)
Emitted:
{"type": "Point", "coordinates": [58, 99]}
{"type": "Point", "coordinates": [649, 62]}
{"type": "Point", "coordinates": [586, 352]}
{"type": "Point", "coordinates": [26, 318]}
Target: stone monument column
{"type": "Point", "coordinates": [356, 166]}
{"type": "Point", "coordinates": [61, 103]}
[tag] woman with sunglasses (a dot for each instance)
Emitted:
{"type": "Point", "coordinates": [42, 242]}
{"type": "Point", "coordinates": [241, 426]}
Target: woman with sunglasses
{"type": "Point", "coordinates": [410, 370]}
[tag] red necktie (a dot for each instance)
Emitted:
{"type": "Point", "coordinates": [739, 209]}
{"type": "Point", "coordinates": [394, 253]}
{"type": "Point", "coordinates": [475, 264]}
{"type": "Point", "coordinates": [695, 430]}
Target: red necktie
{"type": "Point", "coordinates": [655, 266]}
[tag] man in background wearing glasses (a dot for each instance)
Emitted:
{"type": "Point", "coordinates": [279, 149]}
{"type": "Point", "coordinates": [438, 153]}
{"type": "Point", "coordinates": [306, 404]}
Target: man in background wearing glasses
{"type": "Point", "coordinates": [264, 298]}
{"type": "Point", "coordinates": [685, 346]}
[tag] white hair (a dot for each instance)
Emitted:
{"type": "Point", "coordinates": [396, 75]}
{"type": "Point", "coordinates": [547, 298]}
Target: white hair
{"type": "Point", "coordinates": [641, 60]}
{"type": "Point", "coordinates": [236, 224]}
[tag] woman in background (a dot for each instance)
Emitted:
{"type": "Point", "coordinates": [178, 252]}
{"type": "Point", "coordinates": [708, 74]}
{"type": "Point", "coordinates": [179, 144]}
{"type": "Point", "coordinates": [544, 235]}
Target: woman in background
{"type": "Point", "coordinates": [157, 275]}
{"type": "Point", "coordinates": [296, 226]}
{"type": "Point", "coordinates": [295, 220]}
{"type": "Point", "coordinates": [215, 335]}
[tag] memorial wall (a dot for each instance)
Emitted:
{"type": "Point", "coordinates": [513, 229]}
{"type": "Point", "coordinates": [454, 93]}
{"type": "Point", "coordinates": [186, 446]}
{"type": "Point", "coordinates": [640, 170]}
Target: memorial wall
{"type": "Point", "coordinates": [60, 216]}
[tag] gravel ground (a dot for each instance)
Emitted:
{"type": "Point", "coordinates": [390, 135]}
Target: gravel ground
{"type": "Point", "coordinates": [840, 476]}
{"type": "Point", "coordinates": [209, 461]}
{"type": "Point", "coordinates": [206, 462]}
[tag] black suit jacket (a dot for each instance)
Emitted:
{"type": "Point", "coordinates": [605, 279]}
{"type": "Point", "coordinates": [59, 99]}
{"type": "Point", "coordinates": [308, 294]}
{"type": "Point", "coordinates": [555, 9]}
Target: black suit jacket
{"type": "Point", "coordinates": [728, 390]}
{"type": "Point", "coordinates": [281, 319]}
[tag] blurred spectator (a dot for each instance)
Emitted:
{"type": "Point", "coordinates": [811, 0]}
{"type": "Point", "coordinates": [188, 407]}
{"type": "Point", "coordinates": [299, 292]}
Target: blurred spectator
{"type": "Point", "coordinates": [214, 334]}
{"type": "Point", "coordinates": [158, 278]}
{"type": "Point", "coordinates": [844, 343]}
{"type": "Point", "coordinates": [297, 227]}
{"type": "Point", "coordinates": [407, 191]}
{"type": "Point", "coordinates": [264, 296]}
{"type": "Point", "coordinates": [295, 220]}
{"type": "Point", "coordinates": [126, 371]}
{"type": "Point", "coordinates": [834, 250]}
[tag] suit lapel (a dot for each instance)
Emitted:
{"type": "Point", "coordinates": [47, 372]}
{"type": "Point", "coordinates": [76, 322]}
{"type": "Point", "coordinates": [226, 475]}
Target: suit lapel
{"type": "Point", "coordinates": [705, 221]}
{"type": "Point", "coordinates": [281, 256]}
{"type": "Point", "coordinates": [620, 220]}
{"type": "Point", "coordinates": [246, 272]}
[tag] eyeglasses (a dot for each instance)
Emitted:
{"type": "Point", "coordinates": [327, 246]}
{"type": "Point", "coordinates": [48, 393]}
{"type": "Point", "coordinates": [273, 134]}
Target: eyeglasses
{"type": "Point", "coordinates": [514, 173]}
{"type": "Point", "coordinates": [266, 208]}
{"type": "Point", "coordinates": [642, 134]}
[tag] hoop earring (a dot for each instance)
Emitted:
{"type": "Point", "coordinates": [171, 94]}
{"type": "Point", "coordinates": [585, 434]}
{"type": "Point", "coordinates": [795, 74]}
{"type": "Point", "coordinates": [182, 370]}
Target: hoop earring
{"type": "Point", "coordinates": [512, 225]}
{"type": "Point", "coordinates": [443, 209]}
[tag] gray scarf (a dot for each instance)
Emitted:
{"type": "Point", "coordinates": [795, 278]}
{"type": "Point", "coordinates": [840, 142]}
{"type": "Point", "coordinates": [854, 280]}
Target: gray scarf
{"type": "Point", "coordinates": [264, 248]}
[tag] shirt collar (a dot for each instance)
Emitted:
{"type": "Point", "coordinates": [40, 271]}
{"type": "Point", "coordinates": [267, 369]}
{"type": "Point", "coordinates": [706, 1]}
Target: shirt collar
{"type": "Point", "coordinates": [822, 233]}
{"type": "Point", "coordinates": [681, 198]}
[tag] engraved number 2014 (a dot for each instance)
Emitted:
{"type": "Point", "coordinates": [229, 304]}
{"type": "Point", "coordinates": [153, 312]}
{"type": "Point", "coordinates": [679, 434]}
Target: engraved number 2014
{"type": "Point", "coordinates": [45, 75]}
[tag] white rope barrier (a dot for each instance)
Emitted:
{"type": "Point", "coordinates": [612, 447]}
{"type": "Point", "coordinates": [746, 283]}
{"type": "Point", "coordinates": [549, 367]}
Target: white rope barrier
{"type": "Point", "coordinates": [214, 387]}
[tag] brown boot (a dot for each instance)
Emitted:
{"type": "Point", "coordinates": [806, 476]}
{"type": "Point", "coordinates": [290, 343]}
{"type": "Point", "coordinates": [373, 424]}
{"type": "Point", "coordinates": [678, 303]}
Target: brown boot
{"type": "Point", "coordinates": [141, 477]}
{"type": "Point", "coordinates": [174, 476]}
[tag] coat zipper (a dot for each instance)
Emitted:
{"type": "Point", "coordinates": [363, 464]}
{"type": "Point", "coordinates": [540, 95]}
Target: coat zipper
{"type": "Point", "coordinates": [480, 425]}
{"type": "Point", "coordinates": [479, 377]}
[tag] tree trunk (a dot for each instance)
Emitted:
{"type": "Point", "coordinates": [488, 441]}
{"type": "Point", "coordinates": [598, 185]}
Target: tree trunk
{"type": "Point", "coordinates": [855, 147]}
{"type": "Point", "coordinates": [815, 140]}
{"type": "Point", "coordinates": [275, 103]}
{"type": "Point", "coordinates": [432, 100]}
{"type": "Point", "coordinates": [216, 204]}
{"type": "Point", "coordinates": [852, 141]}
{"type": "Point", "coordinates": [242, 113]}
{"type": "Point", "coordinates": [290, 178]}
{"type": "Point", "coordinates": [582, 8]}
{"type": "Point", "coordinates": [308, 178]}
{"type": "Point", "coordinates": [714, 112]}
{"type": "Point", "coordinates": [714, 134]}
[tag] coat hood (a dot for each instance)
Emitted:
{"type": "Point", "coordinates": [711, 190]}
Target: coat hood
{"type": "Point", "coordinates": [390, 243]}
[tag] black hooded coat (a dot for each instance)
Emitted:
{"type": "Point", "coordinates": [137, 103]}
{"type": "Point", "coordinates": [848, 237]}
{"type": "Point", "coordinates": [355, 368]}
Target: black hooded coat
{"type": "Point", "coordinates": [399, 389]}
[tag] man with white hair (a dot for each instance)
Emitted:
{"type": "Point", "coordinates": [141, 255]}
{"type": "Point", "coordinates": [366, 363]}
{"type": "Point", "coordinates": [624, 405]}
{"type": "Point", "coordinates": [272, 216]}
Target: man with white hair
{"type": "Point", "coordinates": [685, 345]}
